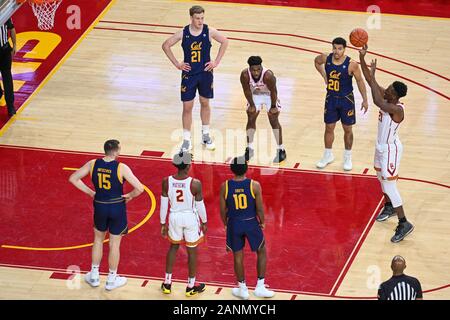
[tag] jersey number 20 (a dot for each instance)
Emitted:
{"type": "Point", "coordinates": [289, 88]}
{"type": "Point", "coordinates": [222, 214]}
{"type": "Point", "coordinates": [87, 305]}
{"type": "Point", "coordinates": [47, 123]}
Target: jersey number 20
{"type": "Point", "coordinates": [240, 201]}
{"type": "Point", "coordinates": [333, 85]}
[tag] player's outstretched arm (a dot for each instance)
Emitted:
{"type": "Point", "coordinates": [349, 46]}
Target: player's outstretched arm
{"type": "Point", "coordinates": [257, 190]}
{"type": "Point", "coordinates": [219, 37]}
{"type": "Point", "coordinates": [199, 204]}
{"type": "Point", "coordinates": [223, 204]}
{"type": "Point", "coordinates": [128, 175]}
{"type": "Point", "coordinates": [246, 88]}
{"type": "Point", "coordinates": [365, 68]}
{"type": "Point", "coordinates": [354, 68]}
{"type": "Point", "coordinates": [76, 177]}
{"type": "Point", "coordinates": [271, 82]}
{"type": "Point", "coordinates": [319, 61]}
{"type": "Point", "coordinates": [166, 46]}
{"type": "Point", "coordinates": [378, 99]}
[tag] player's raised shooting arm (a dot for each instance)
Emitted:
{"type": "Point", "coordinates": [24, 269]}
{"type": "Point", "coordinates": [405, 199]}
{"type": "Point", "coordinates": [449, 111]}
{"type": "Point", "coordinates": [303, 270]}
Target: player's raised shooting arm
{"type": "Point", "coordinates": [259, 201]}
{"type": "Point", "coordinates": [128, 175]}
{"type": "Point", "coordinates": [170, 42]}
{"type": "Point", "coordinates": [365, 69]}
{"type": "Point", "coordinates": [379, 101]}
{"type": "Point", "coordinates": [219, 37]}
{"type": "Point", "coordinates": [223, 204]}
{"type": "Point", "coordinates": [271, 82]}
{"type": "Point", "coordinates": [76, 177]}
{"type": "Point", "coordinates": [246, 88]}
{"type": "Point", "coordinates": [199, 204]}
{"type": "Point", "coordinates": [319, 61]}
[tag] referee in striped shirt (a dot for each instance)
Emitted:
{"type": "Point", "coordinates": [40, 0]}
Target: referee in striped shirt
{"type": "Point", "coordinates": [6, 54]}
{"type": "Point", "coordinates": [400, 286]}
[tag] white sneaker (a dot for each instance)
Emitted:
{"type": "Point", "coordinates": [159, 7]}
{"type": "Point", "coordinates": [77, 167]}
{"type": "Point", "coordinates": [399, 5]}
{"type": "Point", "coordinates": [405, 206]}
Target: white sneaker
{"type": "Point", "coordinates": [118, 282]}
{"type": "Point", "coordinates": [348, 163]}
{"type": "Point", "coordinates": [186, 146]}
{"type": "Point", "coordinates": [240, 293]}
{"type": "Point", "coordinates": [262, 292]}
{"type": "Point", "coordinates": [93, 281]}
{"type": "Point", "coordinates": [208, 143]}
{"type": "Point", "coordinates": [326, 160]}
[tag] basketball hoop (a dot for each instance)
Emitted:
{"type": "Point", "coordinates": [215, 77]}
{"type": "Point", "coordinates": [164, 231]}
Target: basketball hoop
{"type": "Point", "coordinates": [44, 10]}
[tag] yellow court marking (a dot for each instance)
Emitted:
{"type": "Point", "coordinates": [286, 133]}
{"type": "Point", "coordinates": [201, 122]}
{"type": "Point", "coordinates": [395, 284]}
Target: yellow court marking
{"type": "Point", "coordinates": [140, 224]}
{"type": "Point", "coordinates": [56, 68]}
{"type": "Point", "coordinates": [311, 9]}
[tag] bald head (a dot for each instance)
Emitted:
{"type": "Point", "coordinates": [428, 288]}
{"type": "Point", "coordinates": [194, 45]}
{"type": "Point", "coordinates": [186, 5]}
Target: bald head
{"type": "Point", "coordinates": [398, 265]}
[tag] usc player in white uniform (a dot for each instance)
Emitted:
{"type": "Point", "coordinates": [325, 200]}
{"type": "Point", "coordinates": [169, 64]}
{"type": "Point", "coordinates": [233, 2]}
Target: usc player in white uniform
{"type": "Point", "coordinates": [186, 209]}
{"type": "Point", "coordinates": [389, 149]}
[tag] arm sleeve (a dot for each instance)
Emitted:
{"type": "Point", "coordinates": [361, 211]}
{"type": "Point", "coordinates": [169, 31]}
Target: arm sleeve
{"type": "Point", "coordinates": [10, 24]}
{"type": "Point", "coordinates": [200, 205]}
{"type": "Point", "coordinates": [163, 209]}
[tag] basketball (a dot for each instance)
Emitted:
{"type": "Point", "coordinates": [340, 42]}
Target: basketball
{"type": "Point", "coordinates": [359, 37]}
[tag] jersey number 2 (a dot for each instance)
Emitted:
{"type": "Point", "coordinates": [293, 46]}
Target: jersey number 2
{"type": "Point", "coordinates": [180, 196]}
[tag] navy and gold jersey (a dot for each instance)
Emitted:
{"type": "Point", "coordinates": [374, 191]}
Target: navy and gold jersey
{"type": "Point", "coordinates": [240, 200]}
{"type": "Point", "coordinates": [107, 182]}
{"type": "Point", "coordinates": [196, 50]}
{"type": "Point", "coordinates": [339, 81]}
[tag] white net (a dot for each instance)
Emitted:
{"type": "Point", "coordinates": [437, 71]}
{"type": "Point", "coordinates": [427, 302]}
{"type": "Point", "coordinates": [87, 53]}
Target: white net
{"type": "Point", "coordinates": [45, 13]}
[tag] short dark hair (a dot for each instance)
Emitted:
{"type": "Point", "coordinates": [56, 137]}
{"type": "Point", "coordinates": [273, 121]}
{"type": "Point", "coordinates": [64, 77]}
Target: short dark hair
{"type": "Point", "coordinates": [254, 61]}
{"type": "Point", "coordinates": [111, 145]}
{"type": "Point", "coordinates": [196, 10]}
{"type": "Point", "coordinates": [182, 160]}
{"type": "Point", "coordinates": [400, 88]}
{"type": "Point", "coordinates": [339, 40]}
{"type": "Point", "coordinates": [239, 166]}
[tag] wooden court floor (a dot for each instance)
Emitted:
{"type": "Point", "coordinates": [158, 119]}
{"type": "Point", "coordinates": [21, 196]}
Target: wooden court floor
{"type": "Point", "coordinates": [118, 83]}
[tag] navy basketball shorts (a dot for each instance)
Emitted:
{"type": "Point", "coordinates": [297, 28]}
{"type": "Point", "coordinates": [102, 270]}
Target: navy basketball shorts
{"type": "Point", "coordinates": [111, 217]}
{"type": "Point", "coordinates": [340, 108]}
{"type": "Point", "coordinates": [239, 230]}
{"type": "Point", "coordinates": [203, 82]}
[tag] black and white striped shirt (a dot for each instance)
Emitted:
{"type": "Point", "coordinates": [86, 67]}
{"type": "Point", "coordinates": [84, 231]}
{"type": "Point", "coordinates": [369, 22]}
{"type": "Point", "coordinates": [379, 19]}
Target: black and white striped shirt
{"type": "Point", "coordinates": [401, 287]}
{"type": "Point", "coordinates": [4, 32]}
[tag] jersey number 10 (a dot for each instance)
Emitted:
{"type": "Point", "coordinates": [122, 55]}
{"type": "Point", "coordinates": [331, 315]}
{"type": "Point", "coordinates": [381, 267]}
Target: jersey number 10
{"type": "Point", "coordinates": [240, 201]}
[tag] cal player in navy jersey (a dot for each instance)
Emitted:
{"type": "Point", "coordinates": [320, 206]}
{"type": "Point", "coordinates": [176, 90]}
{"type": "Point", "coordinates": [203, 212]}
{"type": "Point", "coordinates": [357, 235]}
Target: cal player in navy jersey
{"type": "Point", "coordinates": [108, 176]}
{"type": "Point", "coordinates": [339, 102]}
{"type": "Point", "coordinates": [242, 212]}
{"type": "Point", "coordinates": [197, 71]}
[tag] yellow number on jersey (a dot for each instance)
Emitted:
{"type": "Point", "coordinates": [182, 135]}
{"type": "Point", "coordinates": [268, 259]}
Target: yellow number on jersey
{"type": "Point", "coordinates": [240, 201]}
{"type": "Point", "coordinates": [195, 56]}
{"type": "Point", "coordinates": [103, 181]}
{"type": "Point", "coordinates": [333, 85]}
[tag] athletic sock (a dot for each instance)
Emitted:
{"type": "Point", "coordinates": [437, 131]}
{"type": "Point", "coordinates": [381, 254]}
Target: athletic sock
{"type": "Point", "coordinates": [191, 282]}
{"type": "Point", "coordinates": [112, 275]}
{"type": "Point", "coordinates": [348, 153]}
{"type": "Point", "coordinates": [250, 145]}
{"type": "Point", "coordinates": [168, 278]}
{"type": "Point", "coordinates": [280, 147]}
{"type": "Point", "coordinates": [186, 134]}
{"type": "Point", "coordinates": [205, 129]}
{"type": "Point", "coordinates": [260, 282]}
{"type": "Point", "coordinates": [95, 270]}
{"type": "Point", "coordinates": [328, 152]}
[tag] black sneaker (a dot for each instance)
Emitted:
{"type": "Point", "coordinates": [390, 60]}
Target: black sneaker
{"type": "Point", "coordinates": [280, 157]}
{"type": "Point", "coordinates": [387, 212]}
{"type": "Point", "coordinates": [11, 112]}
{"type": "Point", "coordinates": [166, 288]}
{"type": "Point", "coordinates": [402, 230]}
{"type": "Point", "coordinates": [195, 290]}
{"type": "Point", "coordinates": [249, 153]}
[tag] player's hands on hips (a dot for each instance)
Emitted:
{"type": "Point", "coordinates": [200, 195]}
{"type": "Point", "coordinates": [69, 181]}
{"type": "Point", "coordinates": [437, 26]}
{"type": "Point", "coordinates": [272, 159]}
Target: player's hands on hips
{"type": "Point", "coordinates": [363, 51]}
{"type": "Point", "coordinates": [273, 110]}
{"type": "Point", "coordinates": [92, 194]}
{"type": "Point", "coordinates": [365, 106]}
{"type": "Point", "coordinates": [127, 197]}
{"type": "Point", "coordinates": [251, 109]}
{"type": "Point", "coordinates": [164, 230]}
{"type": "Point", "coordinates": [183, 66]}
{"type": "Point", "coordinates": [210, 65]}
{"type": "Point", "coordinates": [262, 225]}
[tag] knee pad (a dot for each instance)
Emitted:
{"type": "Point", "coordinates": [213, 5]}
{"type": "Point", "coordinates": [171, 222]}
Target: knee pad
{"type": "Point", "coordinates": [390, 188]}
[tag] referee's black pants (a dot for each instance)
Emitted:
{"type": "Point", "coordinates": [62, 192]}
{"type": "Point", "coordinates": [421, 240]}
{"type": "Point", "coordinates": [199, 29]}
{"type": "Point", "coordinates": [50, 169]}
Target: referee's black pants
{"type": "Point", "coordinates": [5, 69]}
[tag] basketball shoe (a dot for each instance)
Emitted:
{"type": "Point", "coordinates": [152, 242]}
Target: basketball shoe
{"type": "Point", "coordinates": [195, 290]}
